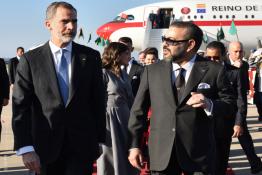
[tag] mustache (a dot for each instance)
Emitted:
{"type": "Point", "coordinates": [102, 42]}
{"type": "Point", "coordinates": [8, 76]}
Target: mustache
{"type": "Point", "coordinates": [166, 48]}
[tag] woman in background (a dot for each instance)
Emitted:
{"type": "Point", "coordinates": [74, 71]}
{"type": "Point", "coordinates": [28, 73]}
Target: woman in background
{"type": "Point", "coordinates": [119, 98]}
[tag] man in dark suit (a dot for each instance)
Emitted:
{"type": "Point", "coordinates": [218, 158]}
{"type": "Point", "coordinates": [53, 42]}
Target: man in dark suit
{"type": "Point", "coordinates": [228, 126]}
{"type": "Point", "coordinates": [181, 126]}
{"type": "Point", "coordinates": [4, 89]}
{"type": "Point", "coordinates": [133, 69]}
{"type": "Point", "coordinates": [58, 101]}
{"type": "Point", "coordinates": [235, 56]}
{"type": "Point", "coordinates": [13, 62]}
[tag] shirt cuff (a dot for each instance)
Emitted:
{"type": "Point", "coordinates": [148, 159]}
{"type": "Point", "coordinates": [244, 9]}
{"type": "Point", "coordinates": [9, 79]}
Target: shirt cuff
{"type": "Point", "coordinates": [209, 109]}
{"type": "Point", "coordinates": [24, 150]}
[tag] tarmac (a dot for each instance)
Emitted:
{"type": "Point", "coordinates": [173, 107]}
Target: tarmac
{"type": "Point", "coordinates": [10, 164]}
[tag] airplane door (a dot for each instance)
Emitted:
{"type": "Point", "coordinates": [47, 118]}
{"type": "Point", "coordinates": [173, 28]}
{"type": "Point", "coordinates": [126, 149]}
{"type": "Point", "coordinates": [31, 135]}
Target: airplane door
{"type": "Point", "coordinates": [147, 11]}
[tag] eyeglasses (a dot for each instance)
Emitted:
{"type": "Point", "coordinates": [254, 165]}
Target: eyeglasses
{"type": "Point", "coordinates": [215, 58]}
{"type": "Point", "coordinates": [173, 42]}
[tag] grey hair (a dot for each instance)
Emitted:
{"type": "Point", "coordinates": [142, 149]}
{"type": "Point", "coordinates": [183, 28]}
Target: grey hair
{"type": "Point", "coordinates": [51, 9]}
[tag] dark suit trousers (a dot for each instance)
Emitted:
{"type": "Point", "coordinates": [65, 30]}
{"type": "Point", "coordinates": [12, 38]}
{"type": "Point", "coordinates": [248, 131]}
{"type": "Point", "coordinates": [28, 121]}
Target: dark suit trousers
{"type": "Point", "coordinates": [258, 102]}
{"type": "Point", "coordinates": [68, 163]}
{"type": "Point", "coordinates": [223, 142]}
{"type": "Point", "coordinates": [247, 145]}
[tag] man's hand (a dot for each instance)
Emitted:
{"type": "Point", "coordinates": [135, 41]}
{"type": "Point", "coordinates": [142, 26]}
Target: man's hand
{"type": "Point", "coordinates": [238, 131]}
{"type": "Point", "coordinates": [198, 100]}
{"type": "Point", "coordinates": [135, 158]}
{"type": "Point", "coordinates": [5, 102]}
{"type": "Point", "coordinates": [32, 162]}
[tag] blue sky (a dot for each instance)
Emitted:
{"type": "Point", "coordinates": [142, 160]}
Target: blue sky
{"type": "Point", "coordinates": [22, 21]}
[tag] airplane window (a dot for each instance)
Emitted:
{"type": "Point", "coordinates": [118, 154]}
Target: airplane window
{"type": "Point", "coordinates": [227, 16]}
{"type": "Point", "coordinates": [188, 16]}
{"type": "Point", "coordinates": [130, 17]}
{"type": "Point", "coordinates": [195, 17]}
{"type": "Point", "coordinates": [201, 16]}
{"type": "Point", "coordinates": [252, 16]}
{"type": "Point", "coordinates": [214, 17]}
{"type": "Point", "coordinates": [246, 16]}
{"type": "Point", "coordinates": [233, 16]}
{"type": "Point", "coordinates": [220, 16]}
{"type": "Point", "coordinates": [119, 18]}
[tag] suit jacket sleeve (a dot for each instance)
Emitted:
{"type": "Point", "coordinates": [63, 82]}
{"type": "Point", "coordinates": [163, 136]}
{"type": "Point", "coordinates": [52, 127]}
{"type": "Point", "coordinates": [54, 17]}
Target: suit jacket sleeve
{"type": "Point", "coordinates": [225, 105]}
{"type": "Point", "coordinates": [5, 80]}
{"type": "Point", "coordinates": [21, 102]}
{"type": "Point", "coordinates": [241, 108]}
{"type": "Point", "coordinates": [11, 71]}
{"type": "Point", "coordinates": [99, 100]}
{"type": "Point", "coordinates": [138, 116]}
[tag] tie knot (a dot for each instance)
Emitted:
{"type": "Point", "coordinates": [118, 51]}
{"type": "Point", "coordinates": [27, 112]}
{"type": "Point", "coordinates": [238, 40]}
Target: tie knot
{"type": "Point", "coordinates": [181, 70]}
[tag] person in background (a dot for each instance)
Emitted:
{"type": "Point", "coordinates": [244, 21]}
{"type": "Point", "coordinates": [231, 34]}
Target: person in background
{"type": "Point", "coordinates": [13, 62]}
{"type": "Point", "coordinates": [133, 68]}
{"type": "Point", "coordinates": [258, 86]}
{"type": "Point", "coordinates": [4, 89]}
{"type": "Point", "coordinates": [151, 55]}
{"type": "Point", "coordinates": [58, 101]}
{"type": "Point", "coordinates": [141, 57]}
{"type": "Point", "coordinates": [227, 127]}
{"type": "Point", "coordinates": [184, 91]}
{"type": "Point", "coordinates": [119, 99]}
{"type": "Point", "coordinates": [235, 55]}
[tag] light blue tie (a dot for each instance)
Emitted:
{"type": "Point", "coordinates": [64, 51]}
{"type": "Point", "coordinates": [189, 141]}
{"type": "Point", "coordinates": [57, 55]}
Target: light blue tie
{"type": "Point", "coordinates": [63, 77]}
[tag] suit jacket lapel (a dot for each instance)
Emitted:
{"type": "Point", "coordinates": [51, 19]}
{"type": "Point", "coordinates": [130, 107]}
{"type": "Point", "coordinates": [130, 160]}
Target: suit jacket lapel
{"type": "Point", "coordinates": [166, 78]}
{"type": "Point", "coordinates": [75, 73]}
{"type": "Point", "coordinates": [198, 71]}
{"type": "Point", "coordinates": [51, 72]}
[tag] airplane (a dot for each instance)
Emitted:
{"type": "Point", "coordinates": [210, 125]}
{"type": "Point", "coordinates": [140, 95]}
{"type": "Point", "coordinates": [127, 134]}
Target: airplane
{"type": "Point", "coordinates": [239, 20]}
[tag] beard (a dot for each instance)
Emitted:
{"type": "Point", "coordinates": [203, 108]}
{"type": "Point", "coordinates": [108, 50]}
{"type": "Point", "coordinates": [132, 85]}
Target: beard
{"type": "Point", "coordinates": [68, 37]}
{"type": "Point", "coordinates": [176, 57]}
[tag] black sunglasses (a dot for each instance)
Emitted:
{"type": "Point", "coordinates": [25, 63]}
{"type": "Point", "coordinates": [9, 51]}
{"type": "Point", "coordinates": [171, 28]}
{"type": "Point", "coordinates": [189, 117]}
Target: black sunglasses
{"type": "Point", "coordinates": [173, 42]}
{"type": "Point", "coordinates": [215, 58]}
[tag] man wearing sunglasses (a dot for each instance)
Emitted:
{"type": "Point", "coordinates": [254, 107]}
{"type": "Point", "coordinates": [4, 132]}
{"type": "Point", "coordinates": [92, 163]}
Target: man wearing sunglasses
{"type": "Point", "coordinates": [185, 92]}
{"type": "Point", "coordinates": [228, 126]}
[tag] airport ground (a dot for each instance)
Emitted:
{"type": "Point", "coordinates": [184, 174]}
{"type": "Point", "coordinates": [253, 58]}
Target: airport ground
{"type": "Point", "coordinates": [10, 164]}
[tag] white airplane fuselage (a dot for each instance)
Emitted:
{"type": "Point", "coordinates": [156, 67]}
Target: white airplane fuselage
{"type": "Point", "coordinates": [209, 15]}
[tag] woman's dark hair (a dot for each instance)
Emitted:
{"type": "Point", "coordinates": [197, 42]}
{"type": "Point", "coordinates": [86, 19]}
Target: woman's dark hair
{"type": "Point", "coordinates": [110, 57]}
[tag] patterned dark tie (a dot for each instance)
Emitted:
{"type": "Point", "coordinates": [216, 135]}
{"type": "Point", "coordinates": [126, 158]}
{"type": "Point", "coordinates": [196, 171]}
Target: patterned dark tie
{"type": "Point", "coordinates": [63, 77]}
{"type": "Point", "coordinates": [180, 84]}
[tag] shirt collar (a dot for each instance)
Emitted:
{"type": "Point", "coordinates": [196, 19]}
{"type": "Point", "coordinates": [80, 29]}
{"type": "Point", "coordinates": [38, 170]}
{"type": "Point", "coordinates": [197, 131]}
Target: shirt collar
{"type": "Point", "coordinates": [55, 49]}
{"type": "Point", "coordinates": [187, 66]}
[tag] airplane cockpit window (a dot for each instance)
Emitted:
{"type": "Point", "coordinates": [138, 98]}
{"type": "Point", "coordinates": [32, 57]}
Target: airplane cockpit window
{"type": "Point", "coordinates": [162, 18]}
{"type": "Point", "coordinates": [123, 18]}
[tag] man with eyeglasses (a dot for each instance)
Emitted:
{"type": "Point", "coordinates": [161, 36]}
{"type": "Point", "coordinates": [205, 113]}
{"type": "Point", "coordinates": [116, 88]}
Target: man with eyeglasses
{"type": "Point", "coordinates": [185, 92]}
{"type": "Point", "coordinates": [228, 126]}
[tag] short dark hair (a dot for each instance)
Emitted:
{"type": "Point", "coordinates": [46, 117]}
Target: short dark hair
{"type": "Point", "coordinates": [125, 40]}
{"type": "Point", "coordinates": [193, 31]}
{"type": "Point", "coordinates": [217, 45]}
{"type": "Point", "coordinates": [152, 51]}
{"type": "Point", "coordinates": [20, 48]}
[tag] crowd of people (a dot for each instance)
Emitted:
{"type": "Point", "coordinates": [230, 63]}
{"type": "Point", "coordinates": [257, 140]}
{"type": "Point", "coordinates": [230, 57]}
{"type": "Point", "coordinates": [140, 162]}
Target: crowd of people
{"type": "Point", "coordinates": [72, 107]}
